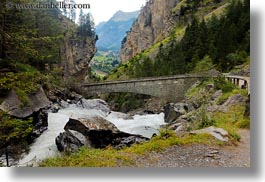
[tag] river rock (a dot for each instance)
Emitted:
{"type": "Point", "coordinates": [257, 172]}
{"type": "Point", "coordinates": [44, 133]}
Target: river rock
{"type": "Point", "coordinates": [67, 142]}
{"type": "Point", "coordinates": [37, 101]}
{"type": "Point", "coordinates": [99, 133]}
{"type": "Point", "coordinates": [40, 122]}
{"type": "Point", "coordinates": [174, 111]}
{"type": "Point", "coordinates": [218, 133]}
{"type": "Point", "coordinates": [96, 104]}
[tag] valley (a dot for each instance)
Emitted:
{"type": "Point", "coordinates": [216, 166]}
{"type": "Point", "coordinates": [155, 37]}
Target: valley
{"type": "Point", "coordinates": [129, 92]}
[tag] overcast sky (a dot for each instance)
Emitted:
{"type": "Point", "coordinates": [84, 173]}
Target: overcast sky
{"type": "Point", "coordinates": [102, 10]}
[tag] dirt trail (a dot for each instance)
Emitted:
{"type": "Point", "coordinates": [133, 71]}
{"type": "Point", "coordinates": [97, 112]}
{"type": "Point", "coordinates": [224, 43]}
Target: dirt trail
{"type": "Point", "coordinates": [198, 155]}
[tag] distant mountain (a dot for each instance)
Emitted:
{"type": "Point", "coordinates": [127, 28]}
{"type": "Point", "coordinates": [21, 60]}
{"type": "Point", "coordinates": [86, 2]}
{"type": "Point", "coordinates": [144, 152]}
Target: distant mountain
{"type": "Point", "coordinates": [112, 32]}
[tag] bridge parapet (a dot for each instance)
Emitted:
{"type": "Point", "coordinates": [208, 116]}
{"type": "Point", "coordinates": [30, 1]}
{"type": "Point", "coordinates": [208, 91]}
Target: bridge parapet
{"type": "Point", "coordinates": [170, 88]}
{"type": "Point", "coordinates": [241, 81]}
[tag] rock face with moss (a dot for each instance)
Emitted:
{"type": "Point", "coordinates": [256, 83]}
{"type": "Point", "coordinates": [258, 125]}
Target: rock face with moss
{"type": "Point", "coordinates": [36, 101]}
{"type": "Point", "coordinates": [153, 24]}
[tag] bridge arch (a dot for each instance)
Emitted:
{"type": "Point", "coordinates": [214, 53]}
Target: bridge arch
{"type": "Point", "coordinates": [170, 88]}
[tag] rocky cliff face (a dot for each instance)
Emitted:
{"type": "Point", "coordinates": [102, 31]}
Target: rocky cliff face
{"type": "Point", "coordinates": [77, 53]}
{"type": "Point", "coordinates": [153, 24]}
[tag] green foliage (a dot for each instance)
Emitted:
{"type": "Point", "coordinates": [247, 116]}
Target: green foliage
{"type": "Point", "coordinates": [231, 121]}
{"type": "Point", "coordinates": [105, 61]}
{"type": "Point", "coordinates": [13, 130]}
{"type": "Point", "coordinates": [220, 83]}
{"type": "Point", "coordinates": [22, 83]}
{"type": "Point", "coordinates": [204, 119]}
{"type": "Point", "coordinates": [225, 40]}
{"type": "Point", "coordinates": [220, 43]}
{"type": "Point", "coordinates": [205, 64]}
{"type": "Point", "coordinates": [226, 95]}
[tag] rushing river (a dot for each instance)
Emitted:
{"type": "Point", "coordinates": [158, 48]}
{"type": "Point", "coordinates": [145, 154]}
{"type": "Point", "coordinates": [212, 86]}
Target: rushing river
{"type": "Point", "coordinates": [44, 146]}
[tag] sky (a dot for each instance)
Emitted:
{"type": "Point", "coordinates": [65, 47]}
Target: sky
{"type": "Point", "coordinates": [103, 10]}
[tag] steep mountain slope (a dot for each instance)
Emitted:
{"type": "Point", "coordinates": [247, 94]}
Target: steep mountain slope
{"type": "Point", "coordinates": [111, 33]}
{"type": "Point", "coordinates": [155, 20]}
{"type": "Point", "coordinates": [203, 34]}
{"type": "Point", "coordinates": [158, 19]}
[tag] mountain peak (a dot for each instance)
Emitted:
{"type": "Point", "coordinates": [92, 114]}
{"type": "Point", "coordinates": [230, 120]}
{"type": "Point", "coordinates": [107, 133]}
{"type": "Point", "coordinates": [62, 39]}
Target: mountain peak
{"type": "Point", "coordinates": [112, 32]}
{"type": "Point", "coordinates": [124, 16]}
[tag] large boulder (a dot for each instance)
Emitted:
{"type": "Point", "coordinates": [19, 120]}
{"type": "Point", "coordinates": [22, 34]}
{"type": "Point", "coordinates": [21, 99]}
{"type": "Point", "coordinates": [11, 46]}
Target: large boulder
{"type": "Point", "coordinates": [174, 111]}
{"type": "Point", "coordinates": [40, 122]}
{"type": "Point", "coordinates": [96, 104]}
{"type": "Point", "coordinates": [96, 132]}
{"type": "Point", "coordinates": [233, 100]}
{"type": "Point", "coordinates": [12, 105]}
{"type": "Point", "coordinates": [236, 99]}
{"type": "Point", "coordinates": [67, 142]}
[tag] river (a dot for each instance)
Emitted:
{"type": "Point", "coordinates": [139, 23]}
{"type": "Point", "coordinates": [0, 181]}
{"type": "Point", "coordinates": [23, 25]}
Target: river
{"type": "Point", "coordinates": [44, 146]}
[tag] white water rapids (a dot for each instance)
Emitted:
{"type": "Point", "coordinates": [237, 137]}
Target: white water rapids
{"type": "Point", "coordinates": [44, 146]}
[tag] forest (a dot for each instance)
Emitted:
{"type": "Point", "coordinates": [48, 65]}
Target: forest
{"type": "Point", "coordinates": [32, 48]}
{"type": "Point", "coordinates": [220, 42]}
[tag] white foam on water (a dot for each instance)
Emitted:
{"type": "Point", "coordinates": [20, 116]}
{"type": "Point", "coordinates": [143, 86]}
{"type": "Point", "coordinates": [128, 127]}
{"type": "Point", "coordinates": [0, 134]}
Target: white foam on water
{"type": "Point", "coordinates": [44, 146]}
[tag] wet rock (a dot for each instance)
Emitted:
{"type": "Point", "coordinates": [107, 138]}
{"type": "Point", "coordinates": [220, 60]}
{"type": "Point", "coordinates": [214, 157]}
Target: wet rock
{"type": "Point", "coordinates": [94, 123]}
{"type": "Point", "coordinates": [218, 133]}
{"type": "Point", "coordinates": [40, 122]}
{"type": "Point", "coordinates": [96, 104]}
{"type": "Point", "coordinates": [97, 132]}
{"type": "Point", "coordinates": [67, 142]}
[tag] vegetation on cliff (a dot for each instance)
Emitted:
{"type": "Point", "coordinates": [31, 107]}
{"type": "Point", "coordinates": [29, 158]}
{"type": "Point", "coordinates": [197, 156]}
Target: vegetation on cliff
{"type": "Point", "coordinates": [33, 45]}
{"type": "Point", "coordinates": [220, 42]}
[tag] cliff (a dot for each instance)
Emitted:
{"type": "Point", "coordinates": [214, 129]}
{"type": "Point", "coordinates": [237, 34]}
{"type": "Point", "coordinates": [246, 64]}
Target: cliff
{"type": "Point", "coordinates": [76, 55]}
{"type": "Point", "coordinates": [76, 51]}
{"type": "Point", "coordinates": [153, 24]}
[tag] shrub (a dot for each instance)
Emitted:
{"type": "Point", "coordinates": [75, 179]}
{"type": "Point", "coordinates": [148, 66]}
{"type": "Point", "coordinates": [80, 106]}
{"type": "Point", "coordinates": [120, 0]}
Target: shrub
{"type": "Point", "coordinates": [221, 84]}
{"type": "Point", "coordinates": [204, 65]}
{"type": "Point", "coordinates": [13, 130]}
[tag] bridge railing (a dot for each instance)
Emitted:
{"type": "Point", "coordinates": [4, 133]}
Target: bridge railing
{"type": "Point", "coordinates": [241, 81]}
{"type": "Point", "coordinates": [146, 79]}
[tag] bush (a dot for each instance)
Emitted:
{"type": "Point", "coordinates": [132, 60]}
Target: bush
{"type": "Point", "coordinates": [14, 130]}
{"type": "Point", "coordinates": [204, 65]}
{"type": "Point", "coordinates": [22, 83]}
{"type": "Point", "coordinates": [221, 84]}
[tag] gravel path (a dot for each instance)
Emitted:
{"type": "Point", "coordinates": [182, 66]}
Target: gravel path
{"type": "Point", "coordinates": [198, 155]}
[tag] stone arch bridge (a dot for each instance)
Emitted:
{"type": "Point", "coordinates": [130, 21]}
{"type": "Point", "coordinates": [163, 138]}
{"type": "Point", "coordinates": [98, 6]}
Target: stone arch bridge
{"type": "Point", "coordinates": [170, 88]}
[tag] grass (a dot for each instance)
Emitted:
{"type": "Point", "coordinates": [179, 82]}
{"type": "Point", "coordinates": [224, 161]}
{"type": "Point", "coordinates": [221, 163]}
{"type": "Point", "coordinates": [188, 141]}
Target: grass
{"type": "Point", "coordinates": [110, 157]}
{"type": "Point", "coordinates": [232, 121]}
